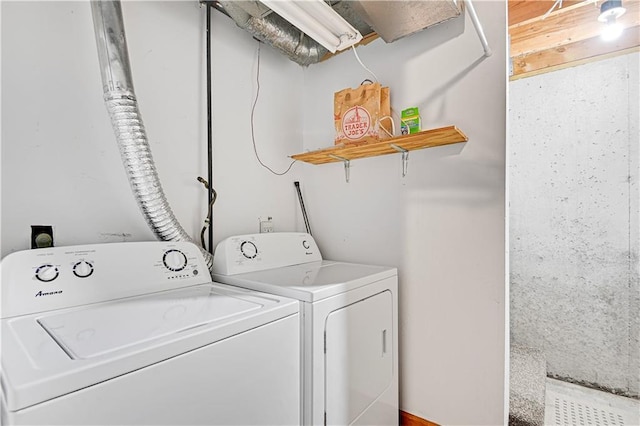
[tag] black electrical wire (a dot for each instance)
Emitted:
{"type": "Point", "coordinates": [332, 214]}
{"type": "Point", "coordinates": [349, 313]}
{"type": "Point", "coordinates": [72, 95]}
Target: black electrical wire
{"type": "Point", "coordinates": [211, 192]}
{"type": "Point", "coordinates": [207, 221]}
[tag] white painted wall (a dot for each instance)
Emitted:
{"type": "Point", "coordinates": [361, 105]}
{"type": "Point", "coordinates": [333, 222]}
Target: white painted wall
{"type": "Point", "coordinates": [60, 162]}
{"type": "Point", "coordinates": [246, 189]}
{"type": "Point", "coordinates": [442, 225]}
{"type": "Point", "coordinates": [574, 221]}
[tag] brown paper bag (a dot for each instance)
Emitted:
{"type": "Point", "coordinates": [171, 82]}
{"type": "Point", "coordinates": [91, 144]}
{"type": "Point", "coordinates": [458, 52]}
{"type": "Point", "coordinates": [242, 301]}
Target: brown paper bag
{"type": "Point", "coordinates": [362, 115]}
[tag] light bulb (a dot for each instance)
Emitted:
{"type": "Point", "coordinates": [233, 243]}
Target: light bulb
{"type": "Point", "coordinates": [610, 10]}
{"type": "Point", "coordinates": [612, 30]}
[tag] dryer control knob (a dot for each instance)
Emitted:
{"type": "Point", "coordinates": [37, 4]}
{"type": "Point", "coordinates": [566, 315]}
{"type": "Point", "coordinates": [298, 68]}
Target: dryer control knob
{"type": "Point", "coordinates": [248, 249]}
{"type": "Point", "coordinates": [47, 272]}
{"type": "Point", "coordinates": [174, 260]}
{"type": "Point", "coordinates": [82, 269]}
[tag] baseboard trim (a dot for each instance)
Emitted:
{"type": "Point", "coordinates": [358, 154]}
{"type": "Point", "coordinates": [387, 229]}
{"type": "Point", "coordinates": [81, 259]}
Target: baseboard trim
{"type": "Point", "coordinates": [408, 419]}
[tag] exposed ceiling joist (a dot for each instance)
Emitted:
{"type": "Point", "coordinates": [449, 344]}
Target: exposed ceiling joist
{"type": "Point", "coordinates": [566, 37]}
{"type": "Point", "coordinates": [574, 54]}
{"type": "Point", "coordinates": [521, 11]}
{"type": "Point", "coordinates": [565, 27]}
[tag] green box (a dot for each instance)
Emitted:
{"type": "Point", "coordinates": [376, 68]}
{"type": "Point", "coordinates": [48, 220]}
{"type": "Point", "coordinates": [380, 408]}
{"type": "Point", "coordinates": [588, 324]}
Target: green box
{"type": "Point", "coordinates": [410, 121]}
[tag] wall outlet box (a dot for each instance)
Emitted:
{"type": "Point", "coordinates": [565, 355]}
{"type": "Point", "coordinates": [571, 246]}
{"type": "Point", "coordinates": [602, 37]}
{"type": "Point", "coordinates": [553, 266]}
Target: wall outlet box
{"type": "Point", "coordinates": [266, 225]}
{"type": "Point", "coordinates": [41, 236]}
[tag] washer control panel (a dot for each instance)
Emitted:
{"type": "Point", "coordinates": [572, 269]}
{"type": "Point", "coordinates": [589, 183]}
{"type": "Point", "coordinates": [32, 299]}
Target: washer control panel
{"type": "Point", "coordinates": [257, 252]}
{"type": "Point", "coordinates": [60, 277]}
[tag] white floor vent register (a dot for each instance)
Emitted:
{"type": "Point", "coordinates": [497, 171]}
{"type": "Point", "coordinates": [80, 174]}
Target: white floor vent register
{"type": "Point", "coordinates": [569, 405]}
{"type": "Point", "coordinates": [568, 412]}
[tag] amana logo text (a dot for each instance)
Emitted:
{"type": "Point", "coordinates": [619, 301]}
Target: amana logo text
{"type": "Point", "coordinates": [48, 293]}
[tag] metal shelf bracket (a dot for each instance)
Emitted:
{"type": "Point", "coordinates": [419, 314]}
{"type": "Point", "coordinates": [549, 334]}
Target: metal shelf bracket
{"type": "Point", "coordinates": [347, 165]}
{"type": "Point", "coordinates": [405, 157]}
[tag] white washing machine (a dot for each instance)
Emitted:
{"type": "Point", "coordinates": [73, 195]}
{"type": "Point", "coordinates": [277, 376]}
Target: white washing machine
{"type": "Point", "coordinates": [349, 323]}
{"type": "Point", "coordinates": [136, 333]}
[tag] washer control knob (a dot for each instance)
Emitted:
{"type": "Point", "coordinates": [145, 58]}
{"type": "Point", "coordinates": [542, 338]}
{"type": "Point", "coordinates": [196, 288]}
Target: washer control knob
{"type": "Point", "coordinates": [47, 272]}
{"type": "Point", "coordinates": [174, 260]}
{"type": "Point", "coordinates": [248, 249]}
{"type": "Point", "coordinates": [82, 269]}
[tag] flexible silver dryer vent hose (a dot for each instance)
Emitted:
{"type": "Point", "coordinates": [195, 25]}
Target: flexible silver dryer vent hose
{"type": "Point", "coordinates": [127, 124]}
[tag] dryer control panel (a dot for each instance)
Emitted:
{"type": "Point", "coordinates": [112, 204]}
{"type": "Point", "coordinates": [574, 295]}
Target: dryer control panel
{"type": "Point", "coordinates": [60, 277]}
{"type": "Point", "coordinates": [258, 252]}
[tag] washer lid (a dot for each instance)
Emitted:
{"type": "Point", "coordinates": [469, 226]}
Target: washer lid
{"type": "Point", "coordinates": [311, 281]}
{"type": "Point", "coordinates": [94, 331]}
{"type": "Point", "coordinates": [48, 355]}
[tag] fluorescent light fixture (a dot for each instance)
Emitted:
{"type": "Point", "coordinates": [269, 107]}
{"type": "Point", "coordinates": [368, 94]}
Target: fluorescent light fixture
{"type": "Point", "coordinates": [317, 20]}
{"type": "Point", "coordinates": [611, 10]}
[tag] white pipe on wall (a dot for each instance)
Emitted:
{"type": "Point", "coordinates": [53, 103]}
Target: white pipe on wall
{"type": "Point", "coordinates": [479, 30]}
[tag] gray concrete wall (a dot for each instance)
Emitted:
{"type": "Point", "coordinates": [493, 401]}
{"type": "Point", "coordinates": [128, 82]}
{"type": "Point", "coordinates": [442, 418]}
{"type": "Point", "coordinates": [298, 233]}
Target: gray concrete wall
{"type": "Point", "coordinates": [574, 221]}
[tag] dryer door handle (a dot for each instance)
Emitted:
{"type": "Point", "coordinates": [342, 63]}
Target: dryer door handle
{"type": "Point", "coordinates": [384, 342]}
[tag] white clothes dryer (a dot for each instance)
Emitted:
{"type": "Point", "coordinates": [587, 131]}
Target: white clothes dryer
{"type": "Point", "coordinates": [136, 333]}
{"type": "Point", "coordinates": [349, 323]}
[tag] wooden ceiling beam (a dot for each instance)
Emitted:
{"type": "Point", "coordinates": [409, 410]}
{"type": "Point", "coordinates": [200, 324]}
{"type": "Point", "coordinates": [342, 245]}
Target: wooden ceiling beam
{"type": "Point", "coordinates": [564, 28]}
{"type": "Point", "coordinates": [567, 36]}
{"type": "Point", "coordinates": [574, 54]}
{"type": "Point", "coordinates": [525, 10]}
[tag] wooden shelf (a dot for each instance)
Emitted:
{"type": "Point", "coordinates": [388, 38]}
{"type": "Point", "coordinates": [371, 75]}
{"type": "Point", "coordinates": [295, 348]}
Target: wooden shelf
{"type": "Point", "coordinates": [425, 139]}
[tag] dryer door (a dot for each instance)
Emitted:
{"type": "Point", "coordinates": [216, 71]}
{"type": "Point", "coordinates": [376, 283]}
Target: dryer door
{"type": "Point", "coordinates": [358, 357]}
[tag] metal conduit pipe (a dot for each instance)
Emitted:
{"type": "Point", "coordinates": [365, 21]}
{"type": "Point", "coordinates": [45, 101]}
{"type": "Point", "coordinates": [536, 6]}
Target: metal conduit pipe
{"type": "Point", "coordinates": [127, 124]}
